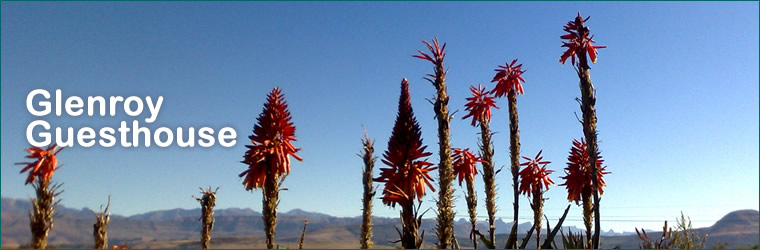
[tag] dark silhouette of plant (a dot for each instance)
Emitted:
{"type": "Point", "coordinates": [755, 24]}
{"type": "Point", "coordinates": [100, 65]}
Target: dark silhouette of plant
{"type": "Point", "coordinates": [41, 172]}
{"type": "Point", "coordinates": [549, 241]}
{"type": "Point", "coordinates": [578, 45]}
{"type": "Point", "coordinates": [268, 159]}
{"type": "Point", "coordinates": [445, 228]}
{"type": "Point", "coordinates": [407, 174]}
{"type": "Point", "coordinates": [509, 81]}
{"type": "Point", "coordinates": [573, 241]}
{"type": "Point", "coordinates": [663, 242]}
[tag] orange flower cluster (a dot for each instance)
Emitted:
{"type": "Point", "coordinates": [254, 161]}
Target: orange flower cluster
{"type": "Point", "coordinates": [578, 172]}
{"type": "Point", "coordinates": [271, 139]}
{"type": "Point", "coordinates": [578, 41]}
{"type": "Point", "coordinates": [407, 176]}
{"type": "Point", "coordinates": [465, 164]}
{"type": "Point", "coordinates": [479, 105]}
{"type": "Point", "coordinates": [535, 178]}
{"type": "Point", "coordinates": [122, 246]}
{"type": "Point", "coordinates": [45, 164]}
{"type": "Point", "coordinates": [508, 78]}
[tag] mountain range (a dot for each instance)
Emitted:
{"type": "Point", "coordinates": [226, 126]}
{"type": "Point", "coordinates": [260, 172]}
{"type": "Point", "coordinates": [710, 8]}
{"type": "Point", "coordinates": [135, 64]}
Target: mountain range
{"type": "Point", "coordinates": [236, 227]}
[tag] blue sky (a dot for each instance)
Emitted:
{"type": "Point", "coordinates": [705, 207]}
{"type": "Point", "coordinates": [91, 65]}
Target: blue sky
{"type": "Point", "coordinates": [677, 96]}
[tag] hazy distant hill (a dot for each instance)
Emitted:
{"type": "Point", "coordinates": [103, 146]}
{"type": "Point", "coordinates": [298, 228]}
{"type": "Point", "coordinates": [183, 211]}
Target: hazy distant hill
{"type": "Point", "coordinates": [737, 226]}
{"type": "Point", "coordinates": [23, 206]}
{"type": "Point", "coordinates": [736, 222]}
{"type": "Point", "coordinates": [737, 229]}
{"type": "Point", "coordinates": [178, 213]}
{"type": "Point", "coordinates": [236, 228]}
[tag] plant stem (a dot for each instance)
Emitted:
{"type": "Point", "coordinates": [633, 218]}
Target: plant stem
{"type": "Point", "coordinates": [588, 217]}
{"type": "Point", "coordinates": [409, 226]}
{"type": "Point", "coordinates": [41, 215]}
{"type": "Point", "coordinates": [445, 228]}
{"type": "Point", "coordinates": [472, 204]}
{"type": "Point", "coordinates": [538, 209]}
{"type": "Point", "coordinates": [208, 201]}
{"type": "Point", "coordinates": [486, 151]}
{"type": "Point", "coordinates": [303, 233]}
{"type": "Point", "coordinates": [369, 162]}
{"type": "Point", "coordinates": [100, 228]}
{"type": "Point", "coordinates": [270, 200]}
{"type": "Point", "coordinates": [588, 100]}
{"type": "Point", "coordinates": [514, 152]}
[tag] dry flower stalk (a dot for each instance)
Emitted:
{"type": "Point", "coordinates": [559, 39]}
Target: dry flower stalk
{"type": "Point", "coordinates": [100, 228]}
{"type": "Point", "coordinates": [207, 201]}
{"type": "Point", "coordinates": [445, 228]}
{"type": "Point", "coordinates": [365, 239]}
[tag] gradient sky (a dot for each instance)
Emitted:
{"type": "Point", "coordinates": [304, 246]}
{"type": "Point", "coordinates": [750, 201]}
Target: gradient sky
{"type": "Point", "coordinates": [677, 96]}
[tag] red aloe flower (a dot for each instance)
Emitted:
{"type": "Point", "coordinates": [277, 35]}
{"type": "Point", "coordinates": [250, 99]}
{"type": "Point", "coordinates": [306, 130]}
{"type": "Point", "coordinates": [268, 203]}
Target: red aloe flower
{"type": "Point", "coordinates": [479, 105]}
{"type": "Point", "coordinates": [407, 176]}
{"type": "Point", "coordinates": [508, 78]}
{"type": "Point", "coordinates": [438, 53]}
{"type": "Point", "coordinates": [271, 141]}
{"type": "Point", "coordinates": [534, 177]}
{"type": "Point", "coordinates": [578, 172]}
{"type": "Point", "coordinates": [578, 41]}
{"type": "Point", "coordinates": [45, 164]}
{"type": "Point", "coordinates": [465, 164]}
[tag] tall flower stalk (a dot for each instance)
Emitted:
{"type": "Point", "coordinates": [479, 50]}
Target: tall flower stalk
{"type": "Point", "coordinates": [445, 228]}
{"type": "Point", "coordinates": [100, 228]}
{"type": "Point", "coordinates": [368, 149]}
{"type": "Point", "coordinates": [509, 81]}
{"type": "Point", "coordinates": [41, 172]}
{"type": "Point", "coordinates": [579, 44]}
{"type": "Point", "coordinates": [268, 158]}
{"type": "Point", "coordinates": [579, 182]}
{"type": "Point", "coordinates": [207, 201]}
{"type": "Point", "coordinates": [479, 108]}
{"type": "Point", "coordinates": [465, 167]}
{"type": "Point", "coordinates": [534, 180]}
{"type": "Point", "coordinates": [407, 175]}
